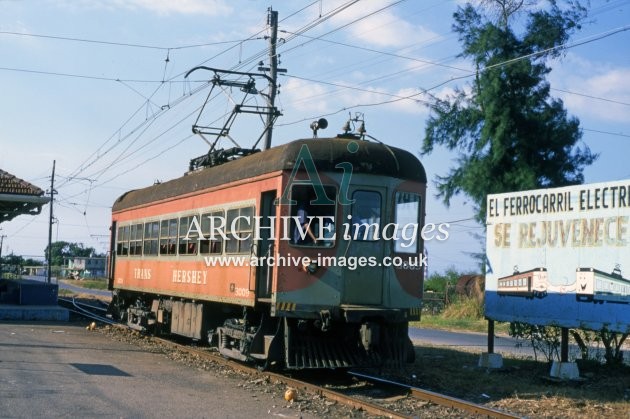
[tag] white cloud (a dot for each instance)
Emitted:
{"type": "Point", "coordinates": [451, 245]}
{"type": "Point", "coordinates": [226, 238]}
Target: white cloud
{"type": "Point", "coordinates": [602, 80]}
{"type": "Point", "coordinates": [304, 96]}
{"type": "Point", "coordinates": [383, 29]}
{"type": "Point", "coordinates": [165, 7]}
{"type": "Point", "coordinates": [160, 7]}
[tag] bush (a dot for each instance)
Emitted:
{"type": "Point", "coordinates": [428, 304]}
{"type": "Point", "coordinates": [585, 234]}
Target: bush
{"type": "Point", "coordinates": [544, 339]}
{"type": "Point", "coordinates": [464, 308]}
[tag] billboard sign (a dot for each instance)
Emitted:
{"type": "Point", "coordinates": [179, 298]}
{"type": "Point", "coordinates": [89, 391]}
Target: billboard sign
{"type": "Point", "coordinates": [560, 256]}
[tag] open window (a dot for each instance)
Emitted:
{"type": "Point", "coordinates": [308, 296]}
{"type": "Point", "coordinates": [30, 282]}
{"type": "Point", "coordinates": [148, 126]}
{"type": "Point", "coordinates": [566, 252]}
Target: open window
{"type": "Point", "coordinates": [313, 216]}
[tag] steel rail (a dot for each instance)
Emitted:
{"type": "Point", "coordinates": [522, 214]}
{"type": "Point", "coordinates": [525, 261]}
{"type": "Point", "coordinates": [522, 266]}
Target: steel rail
{"type": "Point", "coordinates": [349, 401]}
{"type": "Point", "coordinates": [84, 312]}
{"type": "Point", "coordinates": [368, 407]}
{"type": "Point", "coordinates": [442, 399]}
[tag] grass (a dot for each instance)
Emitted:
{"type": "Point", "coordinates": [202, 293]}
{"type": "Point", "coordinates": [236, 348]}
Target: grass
{"type": "Point", "coordinates": [94, 284]}
{"type": "Point", "coordinates": [465, 314]}
{"type": "Point", "coordinates": [523, 386]}
{"type": "Point", "coordinates": [431, 321]}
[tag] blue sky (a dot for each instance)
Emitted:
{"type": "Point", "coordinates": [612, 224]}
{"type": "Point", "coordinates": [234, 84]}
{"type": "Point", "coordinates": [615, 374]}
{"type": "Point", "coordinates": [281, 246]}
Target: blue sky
{"type": "Point", "coordinates": [118, 117]}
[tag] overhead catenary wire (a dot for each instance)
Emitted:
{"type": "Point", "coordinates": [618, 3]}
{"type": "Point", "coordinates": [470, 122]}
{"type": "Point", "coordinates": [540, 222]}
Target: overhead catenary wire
{"type": "Point", "coordinates": [372, 104]}
{"type": "Point", "coordinates": [121, 44]}
{"type": "Point", "coordinates": [243, 63]}
{"type": "Point", "coordinates": [566, 45]}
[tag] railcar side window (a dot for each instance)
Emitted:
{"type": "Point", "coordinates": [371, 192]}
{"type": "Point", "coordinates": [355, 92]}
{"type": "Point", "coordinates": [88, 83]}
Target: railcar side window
{"type": "Point", "coordinates": [312, 223]}
{"type": "Point", "coordinates": [135, 240]}
{"type": "Point", "coordinates": [240, 224]}
{"type": "Point", "coordinates": [122, 241]}
{"type": "Point", "coordinates": [366, 215]}
{"type": "Point", "coordinates": [168, 237]}
{"type": "Point", "coordinates": [407, 220]}
{"type": "Point", "coordinates": [213, 243]}
{"type": "Point", "coordinates": [151, 234]}
{"type": "Point", "coordinates": [187, 247]}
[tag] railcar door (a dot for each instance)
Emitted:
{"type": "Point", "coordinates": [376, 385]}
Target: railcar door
{"type": "Point", "coordinates": [363, 275]}
{"type": "Point", "coordinates": [265, 249]}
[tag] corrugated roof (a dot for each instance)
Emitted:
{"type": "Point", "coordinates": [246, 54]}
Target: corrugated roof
{"type": "Point", "coordinates": [371, 158]}
{"type": "Point", "coordinates": [18, 197]}
{"type": "Point", "coordinates": [10, 184]}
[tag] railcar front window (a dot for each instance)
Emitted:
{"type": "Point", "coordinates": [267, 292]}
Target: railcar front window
{"type": "Point", "coordinates": [122, 241]}
{"type": "Point", "coordinates": [366, 215]}
{"type": "Point", "coordinates": [313, 223]}
{"type": "Point", "coordinates": [151, 235]}
{"type": "Point", "coordinates": [168, 237]}
{"type": "Point", "coordinates": [407, 220]}
{"type": "Point", "coordinates": [187, 241]}
{"type": "Point", "coordinates": [212, 228]}
{"type": "Point", "coordinates": [240, 224]}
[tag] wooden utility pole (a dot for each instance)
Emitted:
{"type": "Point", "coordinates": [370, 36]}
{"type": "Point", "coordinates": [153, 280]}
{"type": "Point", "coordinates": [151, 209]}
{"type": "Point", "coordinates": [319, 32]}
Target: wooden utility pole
{"type": "Point", "coordinates": [1, 243]}
{"type": "Point", "coordinates": [50, 223]}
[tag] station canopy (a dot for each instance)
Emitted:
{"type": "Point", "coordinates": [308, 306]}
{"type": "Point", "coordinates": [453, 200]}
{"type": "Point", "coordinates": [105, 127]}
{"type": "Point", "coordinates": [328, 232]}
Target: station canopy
{"type": "Point", "coordinates": [19, 197]}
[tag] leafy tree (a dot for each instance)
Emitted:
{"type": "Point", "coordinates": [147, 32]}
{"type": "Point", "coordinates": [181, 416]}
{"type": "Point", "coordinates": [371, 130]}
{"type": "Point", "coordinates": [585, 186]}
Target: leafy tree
{"type": "Point", "coordinates": [509, 133]}
{"type": "Point", "coordinates": [440, 282]}
{"type": "Point", "coordinates": [32, 262]}
{"type": "Point", "coordinates": [62, 249]}
{"type": "Point", "coordinates": [11, 263]}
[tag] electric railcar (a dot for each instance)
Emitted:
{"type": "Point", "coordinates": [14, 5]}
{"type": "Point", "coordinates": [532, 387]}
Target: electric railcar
{"type": "Point", "coordinates": [224, 254]}
{"type": "Point", "coordinates": [598, 286]}
{"type": "Point", "coordinates": [530, 284]}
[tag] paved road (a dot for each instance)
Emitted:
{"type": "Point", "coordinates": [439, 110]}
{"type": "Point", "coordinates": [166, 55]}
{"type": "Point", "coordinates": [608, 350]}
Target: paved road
{"type": "Point", "coordinates": [63, 370]}
{"type": "Point", "coordinates": [70, 287]}
{"type": "Point", "coordinates": [468, 340]}
{"type": "Point", "coordinates": [479, 342]}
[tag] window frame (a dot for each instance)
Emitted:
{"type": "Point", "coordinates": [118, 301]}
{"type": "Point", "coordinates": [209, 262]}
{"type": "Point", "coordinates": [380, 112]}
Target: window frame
{"type": "Point", "coordinates": [331, 190]}
{"type": "Point", "coordinates": [214, 247]}
{"type": "Point", "coordinates": [355, 216]}
{"type": "Point", "coordinates": [168, 236]}
{"type": "Point", "coordinates": [188, 247]}
{"type": "Point", "coordinates": [122, 243]}
{"type": "Point", "coordinates": [151, 238]}
{"type": "Point", "coordinates": [398, 243]}
{"type": "Point", "coordinates": [240, 246]}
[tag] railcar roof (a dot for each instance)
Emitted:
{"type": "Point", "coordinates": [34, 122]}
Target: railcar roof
{"type": "Point", "coordinates": [371, 158]}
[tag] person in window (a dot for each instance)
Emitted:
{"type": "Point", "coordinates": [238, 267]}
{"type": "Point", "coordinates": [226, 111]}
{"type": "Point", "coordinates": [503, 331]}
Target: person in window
{"type": "Point", "coordinates": [303, 221]}
{"type": "Point", "coordinates": [328, 237]}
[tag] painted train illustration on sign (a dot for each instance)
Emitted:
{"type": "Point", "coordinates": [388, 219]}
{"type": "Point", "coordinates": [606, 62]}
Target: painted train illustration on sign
{"type": "Point", "coordinates": [529, 284]}
{"type": "Point", "coordinates": [599, 287]}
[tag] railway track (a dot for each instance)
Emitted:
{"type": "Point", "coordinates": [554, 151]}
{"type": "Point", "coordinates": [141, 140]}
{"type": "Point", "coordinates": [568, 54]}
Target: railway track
{"type": "Point", "coordinates": [355, 400]}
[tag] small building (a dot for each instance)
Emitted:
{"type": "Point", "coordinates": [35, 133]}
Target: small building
{"type": "Point", "coordinates": [85, 267]}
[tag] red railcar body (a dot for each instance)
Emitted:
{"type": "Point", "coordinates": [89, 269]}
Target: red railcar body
{"type": "Point", "coordinates": [214, 255]}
